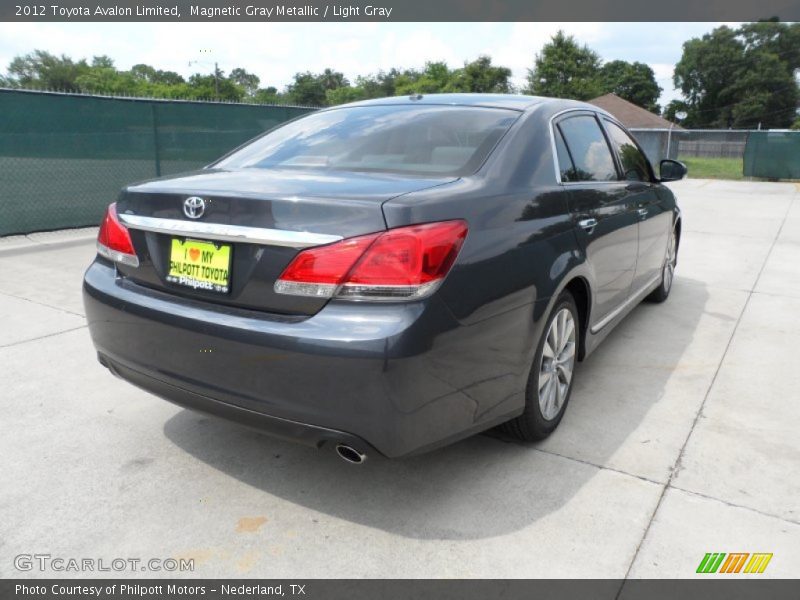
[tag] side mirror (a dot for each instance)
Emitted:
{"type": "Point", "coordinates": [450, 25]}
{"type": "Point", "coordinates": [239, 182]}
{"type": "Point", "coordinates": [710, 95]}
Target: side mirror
{"type": "Point", "coordinates": [672, 170]}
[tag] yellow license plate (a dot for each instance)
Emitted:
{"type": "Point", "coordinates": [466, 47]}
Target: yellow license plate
{"type": "Point", "coordinates": [200, 265]}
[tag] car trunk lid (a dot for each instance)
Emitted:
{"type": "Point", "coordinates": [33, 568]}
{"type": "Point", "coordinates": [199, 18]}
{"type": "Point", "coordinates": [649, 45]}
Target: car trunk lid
{"type": "Point", "coordinates": [263, 216]}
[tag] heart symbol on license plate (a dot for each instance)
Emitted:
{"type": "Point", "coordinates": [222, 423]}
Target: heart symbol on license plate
{"type": "Point", "coordinates": [194, 253]}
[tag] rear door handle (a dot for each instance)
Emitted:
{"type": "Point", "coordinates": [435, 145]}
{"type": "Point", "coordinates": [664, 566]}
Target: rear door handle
{"type": "Point", "coordinates": [587, 224]}
{"type": "Point", "coordinates": [643, 212]}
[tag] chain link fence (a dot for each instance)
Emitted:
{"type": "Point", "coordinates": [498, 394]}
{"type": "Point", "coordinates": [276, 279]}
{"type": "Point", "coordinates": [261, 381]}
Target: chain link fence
{"type": "Point", "coordinates": [64, 157]}
{"type": "Point", "coordinates": [762, 154]}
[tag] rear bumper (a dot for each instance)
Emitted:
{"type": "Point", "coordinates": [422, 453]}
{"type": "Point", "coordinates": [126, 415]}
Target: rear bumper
{"type": "Point", "coordinates": [310, 435]}
{"type": "Point", "coordinates": [399, 378]}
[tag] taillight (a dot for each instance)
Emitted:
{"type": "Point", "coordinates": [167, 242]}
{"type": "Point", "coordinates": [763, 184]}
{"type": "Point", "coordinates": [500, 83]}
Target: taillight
{"type": "Point", "coordinates": [114, 241]}
{"type": "Point", "coordinates": [406, 263]}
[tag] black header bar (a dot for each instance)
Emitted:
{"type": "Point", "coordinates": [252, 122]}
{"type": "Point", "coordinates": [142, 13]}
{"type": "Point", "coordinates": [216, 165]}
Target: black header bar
{"type": "Point", "coordinates": [397, 10]}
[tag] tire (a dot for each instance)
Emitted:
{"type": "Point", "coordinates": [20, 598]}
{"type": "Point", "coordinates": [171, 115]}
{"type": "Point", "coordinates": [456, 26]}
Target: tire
{"type": "Point", "coordinates": [545, 405]}
{"type": "Point", "coordinates": [661, 293]}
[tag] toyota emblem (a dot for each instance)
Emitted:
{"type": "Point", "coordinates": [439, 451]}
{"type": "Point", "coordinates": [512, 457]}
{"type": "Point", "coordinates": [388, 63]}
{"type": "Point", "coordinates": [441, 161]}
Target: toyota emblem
{"type": "Point", "coordinates": [194, 207]}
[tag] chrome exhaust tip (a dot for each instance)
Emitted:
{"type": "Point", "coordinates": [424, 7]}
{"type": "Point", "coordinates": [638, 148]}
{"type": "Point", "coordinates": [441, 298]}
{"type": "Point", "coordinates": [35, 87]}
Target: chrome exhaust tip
{"type": "Point", "coordinates": [350, 454]}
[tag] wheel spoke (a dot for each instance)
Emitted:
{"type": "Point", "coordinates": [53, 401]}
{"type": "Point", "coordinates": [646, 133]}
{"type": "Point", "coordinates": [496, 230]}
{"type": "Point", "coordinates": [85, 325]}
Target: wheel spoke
{"type": "Point", "coordinates": [565, 374]}
{"type": "Point", "coordinates": [553, 398]}
{"type": "Point", "coordinates": [544, 378]}
{"type": "Point", "coordinates": [569, 332]}
{"type": "Point", "coordinates": [567, 353]}
{"type": "Point", "coordinates": [547, 350]}
{"type": "Point", "coordinates": [562, 329]}
{"type": "Point", "coordinates": [552, 336]}
{"type": "Point", "coordinates": [559, 393]}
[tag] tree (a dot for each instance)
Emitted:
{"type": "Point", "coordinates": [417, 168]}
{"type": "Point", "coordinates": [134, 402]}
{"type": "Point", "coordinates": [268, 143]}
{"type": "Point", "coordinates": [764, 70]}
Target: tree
{"type": "Point", "coordinates": [40, 69]}
{"type": "Point", "coordinates": [247, 81]}
{"type": "Point", "coordinates": [635, 82]}
{"type": "Point", "coordinates": [380, 85]}
{"type": "Point", "coordinates": [740, 78]}
{"type": "Point", "coordinates": [782, 39]}
{"type": "Point", "coordinates": [672, 109]}
{"type": "Point", "coordinates": [214, 87]}
{"type": "Point", "coordinates": [268, 95]}
{"type": "Point", "coordinates": [107, 80]}
{"type": "Point", "coordinates": [705, 75]}
{"type": "Point", "coordinates": [343, 95]}
{"type": "Point", "coordinates": [307, 89]}
{"type": "Point", "coordinates": [331, 80]}
{"type": "Point", "coordinates": [433, 79]}
{"type": "Point", "coordinates": [564, 69]}
{"type": "Point", "coordinates": [481, 76]}
{"type": "Point", "coordinates": [148, 74]}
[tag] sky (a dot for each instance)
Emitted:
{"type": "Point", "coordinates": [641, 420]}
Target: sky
{"type": "Point", "coordinates": [275, 51]}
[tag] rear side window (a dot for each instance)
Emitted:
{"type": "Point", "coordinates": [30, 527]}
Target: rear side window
{"type": "Point", "coordinates": [634, 163]}
{"type": "Point", "coordinates": [446, 140]}
{"type": "Point", "coordinates": [591, 156]}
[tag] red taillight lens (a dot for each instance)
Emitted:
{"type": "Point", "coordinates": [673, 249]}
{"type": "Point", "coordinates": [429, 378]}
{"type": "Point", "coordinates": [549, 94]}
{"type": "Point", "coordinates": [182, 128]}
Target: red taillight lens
{"type": "Point", "coordinates": [114, 241]}
{"type": "Point", "coordinates": [403, 263]}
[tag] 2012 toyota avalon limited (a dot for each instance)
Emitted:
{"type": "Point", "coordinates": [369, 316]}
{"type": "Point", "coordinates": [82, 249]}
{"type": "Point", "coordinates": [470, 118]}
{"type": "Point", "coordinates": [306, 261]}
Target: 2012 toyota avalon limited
{"type": "Point", "coordinates": [387, 276]}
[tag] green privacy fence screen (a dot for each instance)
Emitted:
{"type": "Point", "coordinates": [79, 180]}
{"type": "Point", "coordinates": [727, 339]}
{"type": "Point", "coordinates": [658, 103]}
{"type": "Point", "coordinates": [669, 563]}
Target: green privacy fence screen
{"type": "Point", "coordinates": [772, 155]}
{"type": "Point", "coordinates": [64, 157]}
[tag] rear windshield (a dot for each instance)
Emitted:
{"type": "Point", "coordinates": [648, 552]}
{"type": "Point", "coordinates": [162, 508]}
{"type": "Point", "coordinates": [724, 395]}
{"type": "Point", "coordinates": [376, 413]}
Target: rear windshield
{"type": "Point", "coordinates": [443, 140]}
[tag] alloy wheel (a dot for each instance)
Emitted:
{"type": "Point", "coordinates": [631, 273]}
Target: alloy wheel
{"type": "Point", "coordinates": [669, 267]}
{"type": "Point", "coordinates": [557, 364]}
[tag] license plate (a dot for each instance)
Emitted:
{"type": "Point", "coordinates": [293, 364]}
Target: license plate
{"type": "Point", "coordinates": [200, 265]}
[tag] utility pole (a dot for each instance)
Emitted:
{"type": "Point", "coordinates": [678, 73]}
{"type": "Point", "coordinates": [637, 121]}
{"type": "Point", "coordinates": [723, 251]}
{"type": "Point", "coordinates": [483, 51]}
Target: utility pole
{"type": "Point", "coordinates": [216, 75]}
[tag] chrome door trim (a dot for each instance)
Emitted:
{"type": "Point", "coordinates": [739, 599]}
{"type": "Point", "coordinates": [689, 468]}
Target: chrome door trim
{"type": "Point", "coordinates": [644, 290]}
{"type": "Point", "coordinates": [229, 233]}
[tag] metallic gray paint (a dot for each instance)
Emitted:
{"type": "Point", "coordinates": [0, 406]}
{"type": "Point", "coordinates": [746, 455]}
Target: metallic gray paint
{"type": "Point", "coordinates": [401, 377]}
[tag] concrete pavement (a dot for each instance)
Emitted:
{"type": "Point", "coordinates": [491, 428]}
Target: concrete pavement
{"type": "Point", "coordinates": [680, 439]}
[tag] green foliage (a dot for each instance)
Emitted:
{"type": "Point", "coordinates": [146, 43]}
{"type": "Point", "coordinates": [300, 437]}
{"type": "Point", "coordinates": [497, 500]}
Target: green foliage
{"type": "Point", "coordinates": [307, 89]}
{"type": "Point", "coordinates": [247, 81]}
{"type": "Point", "coordinates": [481, 76]}
{"type": "Point", "coordinates": [672, 109]}
{"type": "Point", "coordinates": [215, 87]}
{"type": "Point", "coordinates": [741, 77]}
{"type": "Point", "coordinates": [436, 77]}
{"type": "Point", "coordinates": [43, 70]}
{"type": "Point", "coordinates": [380, 85]}
{"type": "Point", "coordinates": [635, 82]}
{"type": "Point", "coordinates": [565, 69]}
{"type": "Point", "coordinates": [343, 95]}
{"type": "Point", "coordinates": [148, 74]}
{"type": "Point", "coordinates": [269, 95]}
{"type": "Point", "coordinates": [433, 79]}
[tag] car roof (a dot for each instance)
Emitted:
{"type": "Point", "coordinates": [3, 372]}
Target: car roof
{"type": "Point", "coordinates": [512, 101]}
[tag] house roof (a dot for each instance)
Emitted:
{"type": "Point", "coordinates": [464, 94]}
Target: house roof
{"type": "Point", "coordinates": [630, 115]}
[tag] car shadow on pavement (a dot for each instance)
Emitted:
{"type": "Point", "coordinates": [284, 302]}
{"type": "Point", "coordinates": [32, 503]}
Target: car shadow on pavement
{"type": "Point", "coordinates": [486, 485]}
